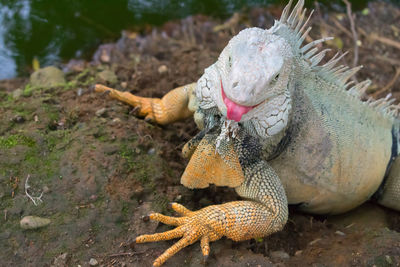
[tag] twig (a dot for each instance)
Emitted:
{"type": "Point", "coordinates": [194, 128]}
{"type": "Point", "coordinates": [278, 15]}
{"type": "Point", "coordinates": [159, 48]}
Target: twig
{"type": "Point", "coordinates": [384, 40]}
{"type": "Point", "coordinates": [340, 26]}
{"type": "Point", "coordinates": [229, 24]}
{"type": "Point", "coordinates": [125, 254]}
{"type": "Point", "coordinates": [392, 61]}
{"type": "Point", "coordinates": [389, 85]}
{"type": "Point", "coordinates": [353, 31]}
{"type": "Point", "coordinates": [35, 200]}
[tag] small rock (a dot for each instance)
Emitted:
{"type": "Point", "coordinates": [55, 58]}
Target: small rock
{"type": "Point", "coordinates": [178, 198]}
{"type": "Point", "coordinates": [75, 65]}
{"type": "Point", "coordinates": [46, 189]}
{"type": "Point", "coordinates": [315, 241]}
{"type": "Point", "coordinates": [107, 76]}
{"type": "Point", "coordinates": [18, 119]}
{"type": "Point", "coordinates": [93, 262]}
{"type": "Point", "coordinates": [101, 112]}
{"type": "Point", "coordinates": [340, 233]}
{"type": "Point", "coordinates": [388, 259]}
{"type": "Point", "coordinates": [17, 93]}
{"type": "Point", "coordinates": [279, 255]}
{"type": "Point", "coordinates": [116, 120]}
{"type": "Point", "coordinates": [105, 56]}
{"type": "Point", "coordinates": [298, 253]}
{"type": "Point", "coordinates": [124, 85]}
{"type": "Point", "coordinates": [151, 151]}
{"type": "Point", "coordinates": [162, 69]}
{"type": "Point", "coordinates": [79, 92]}
{"type": "Point", "coordinates": [33, 222]}
{"type": "Point", "coordinates": [47, 77]}
{"type": "Point", "coordinates": [61, 260]}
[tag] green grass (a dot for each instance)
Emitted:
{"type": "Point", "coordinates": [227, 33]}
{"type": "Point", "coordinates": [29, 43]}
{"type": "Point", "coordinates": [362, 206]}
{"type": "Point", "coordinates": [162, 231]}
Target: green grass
{"type": "Point", "coordinates": [16, 139]}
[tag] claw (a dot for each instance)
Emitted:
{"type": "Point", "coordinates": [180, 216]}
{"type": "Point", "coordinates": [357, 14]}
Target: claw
{"type": "Point", "coordinates": [175, 233]}
{"type": "Point", "coordinates": [183, 242]}
{"type": "Point", "coordinates": [148, 118]}
{"type": "Point", "coordinates": [205, 247]}
{"type": "Point", "coordinates": [181, 210]}
{"type": "Point", "coordinates": [166, 219]}
{"type": "Point", "coordinates": [146, 218]}
{"type": "Point", "coordinates": [134, 111]}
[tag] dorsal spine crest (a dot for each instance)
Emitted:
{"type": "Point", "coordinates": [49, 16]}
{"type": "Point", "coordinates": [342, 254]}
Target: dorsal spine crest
{"type": "Point", "coordinates": [292, 26]}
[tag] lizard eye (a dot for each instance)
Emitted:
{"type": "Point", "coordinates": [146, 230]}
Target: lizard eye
{"type": "Point", "coordinates": [275, 79]}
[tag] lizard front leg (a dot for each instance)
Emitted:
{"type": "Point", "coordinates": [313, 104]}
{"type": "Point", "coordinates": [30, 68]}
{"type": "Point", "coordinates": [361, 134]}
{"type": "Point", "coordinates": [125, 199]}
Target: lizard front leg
{"type": "Point", "coordinates": [170, 108]}
{"type": "Point", "coordinates": [264, 213]}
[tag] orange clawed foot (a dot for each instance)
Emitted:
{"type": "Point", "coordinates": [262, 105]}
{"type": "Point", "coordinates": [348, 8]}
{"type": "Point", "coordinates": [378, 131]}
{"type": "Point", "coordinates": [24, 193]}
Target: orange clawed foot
{"type": "Point", "coordinates": [143, 105]}
{"type": "Point", "coordinates": [170, 108]}
{"type": "Point", "coordinates": [192, 226]}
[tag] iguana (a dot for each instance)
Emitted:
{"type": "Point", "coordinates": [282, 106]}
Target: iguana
{"type": "Point", "coordinates": [281, 129]}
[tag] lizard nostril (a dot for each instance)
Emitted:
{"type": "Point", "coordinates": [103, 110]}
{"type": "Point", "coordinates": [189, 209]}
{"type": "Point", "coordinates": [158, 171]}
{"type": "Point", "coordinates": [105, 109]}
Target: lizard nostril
{"type": "Point", "coordinates": [235, 84]}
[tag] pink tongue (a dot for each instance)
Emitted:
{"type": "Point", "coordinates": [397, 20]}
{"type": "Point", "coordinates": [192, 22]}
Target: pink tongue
{"type": "Point", "coordinates": [234, 110]}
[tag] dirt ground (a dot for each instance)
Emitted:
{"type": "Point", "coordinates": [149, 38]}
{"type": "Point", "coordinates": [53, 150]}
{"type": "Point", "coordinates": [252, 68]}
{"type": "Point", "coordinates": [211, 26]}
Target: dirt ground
{"type": "Point", "coordinates": [101, 169]}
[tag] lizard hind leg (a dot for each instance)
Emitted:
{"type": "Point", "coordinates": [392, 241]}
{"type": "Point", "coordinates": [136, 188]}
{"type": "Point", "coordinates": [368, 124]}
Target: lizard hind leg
{"type": "Point", "coordinates": [390, 194]}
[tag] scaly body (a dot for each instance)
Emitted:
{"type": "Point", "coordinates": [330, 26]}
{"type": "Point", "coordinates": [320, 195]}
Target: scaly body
{"type": "Point", "coordinates": [279, 128]}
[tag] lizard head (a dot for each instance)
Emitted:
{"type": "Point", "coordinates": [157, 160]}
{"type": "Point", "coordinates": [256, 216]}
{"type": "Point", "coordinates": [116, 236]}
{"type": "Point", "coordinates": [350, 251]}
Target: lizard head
{"type": "Point", "coordinates": [253, 69]}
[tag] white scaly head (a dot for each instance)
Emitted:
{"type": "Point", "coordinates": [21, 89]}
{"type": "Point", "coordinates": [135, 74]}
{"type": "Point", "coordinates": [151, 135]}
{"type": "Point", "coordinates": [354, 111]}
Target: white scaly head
{"type": "Point", "coordinates": [249, 82]}
{"type": "Point", "coordinates": [254, 69]}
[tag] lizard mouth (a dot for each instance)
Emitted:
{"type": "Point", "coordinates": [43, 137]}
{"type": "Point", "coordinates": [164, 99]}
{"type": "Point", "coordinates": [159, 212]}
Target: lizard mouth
{"type": "Point", "coordinates": [234, 111]}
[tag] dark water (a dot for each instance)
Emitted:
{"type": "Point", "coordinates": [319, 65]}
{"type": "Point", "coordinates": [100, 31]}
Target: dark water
{"type": "Point", "coordinates": [56, 30]}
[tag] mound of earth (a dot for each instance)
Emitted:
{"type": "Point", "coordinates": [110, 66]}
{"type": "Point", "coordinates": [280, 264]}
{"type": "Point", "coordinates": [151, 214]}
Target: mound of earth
{"type": "Point", "coordinates": [101, 169]}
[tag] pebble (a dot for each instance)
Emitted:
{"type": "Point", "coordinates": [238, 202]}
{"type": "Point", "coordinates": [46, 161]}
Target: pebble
{"type": "Point", "coordinates": [33, 222]}
{"type": "Point", "coordinates": [101, 112]}
{"type": "Point", "coordinates": [151, 151]}
{"type": "Point", "coordinates": [124, 85]}
{"type": "Point", "coordinates": [116, 120]}
{"type": "Point", "coordinates": [47, 77]}
{"type": "Point", "coordinates": [315, 241]}
{"type": "Point", "coordinates": [18, 119]}
{"type": "Point", "coordinates": [298, 253]}
{"type": "Point", "coordinates": [340, 233]}
{"type": "Point", "coordinates": [46, 189]}
{"type": "Point", "coordinates": [162, 69]}
{"type": "Point", "coordinates": [105, 56]}
{"type": "Point", "coordinates": [388, 259]}
{"type": "Point", "coordinates": [79, 92]}
{"type": "Point", "coordinates": [93, 262]}
{"type": "Point", "coordinates": [107, 76]}
{"type": "Point", "coordinates": [279, 255]}
{"type": "Point", "coordinates": [60, 260]}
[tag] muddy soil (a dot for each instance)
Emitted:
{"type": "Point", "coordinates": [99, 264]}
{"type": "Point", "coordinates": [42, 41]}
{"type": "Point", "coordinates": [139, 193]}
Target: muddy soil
{"type": "Point", "coordinates": [101, 169]}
